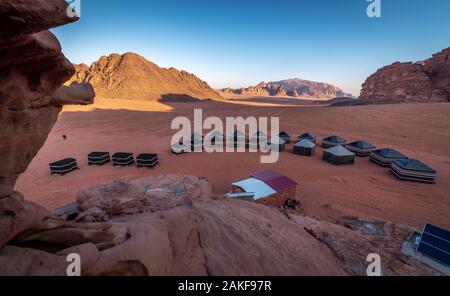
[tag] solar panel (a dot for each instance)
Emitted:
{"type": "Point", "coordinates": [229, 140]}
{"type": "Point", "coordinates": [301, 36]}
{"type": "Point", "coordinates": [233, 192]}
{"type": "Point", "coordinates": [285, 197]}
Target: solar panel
{"type": "Point", "coordinates": [436, 231]}
{"type": "Point", "coordinates": [435, 243]}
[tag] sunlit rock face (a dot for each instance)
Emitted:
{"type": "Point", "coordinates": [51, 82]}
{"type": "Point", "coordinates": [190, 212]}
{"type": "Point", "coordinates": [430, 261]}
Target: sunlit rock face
{"type": "Point", "coordinates": [426, 81]}
{"type": "Point", "coordinates": [32, 71]}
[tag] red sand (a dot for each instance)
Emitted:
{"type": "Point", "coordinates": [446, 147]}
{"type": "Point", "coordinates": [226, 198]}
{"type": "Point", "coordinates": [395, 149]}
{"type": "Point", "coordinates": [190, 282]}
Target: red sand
{"type": "Point", "coordinates": [418, 130]}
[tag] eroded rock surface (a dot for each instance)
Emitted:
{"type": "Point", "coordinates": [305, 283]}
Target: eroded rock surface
{"type": "Point", "coordinates": [194, 232]}
{"type": "Point", "coordinates": [426, 81]}
{"type": "Point", "coordinates": [32, 71]}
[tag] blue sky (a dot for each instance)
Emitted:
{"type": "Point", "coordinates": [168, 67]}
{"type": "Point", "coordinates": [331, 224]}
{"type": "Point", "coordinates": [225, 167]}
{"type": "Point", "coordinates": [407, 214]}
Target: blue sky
{"type": "Point", "coordinates": [241, 43]}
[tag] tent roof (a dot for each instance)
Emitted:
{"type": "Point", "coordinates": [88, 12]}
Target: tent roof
{"type": "Point", "coordinates": [259, 133]}
{"type": "Point", "coordinates": [389, 153]}
{"type": "Point", "coordinates": [276, 181]}
{"type": "Point", "coordinates": [305, 143]}
{"type": "Point", "coordinates": [339, 151]}
{"type": "Point", "coordinates": [335, 139]}
{"type": "Point", "coordinates": [195, 135]}
{"type": "Point", "coordinates": [259, 188]}
{"type": "Point", "coordinates": [362, 145]}
{"type": "Point", "coordinates": [413, 165]}
{"type": "Point", "coordinates": [237, 133]}
{"type": "Point", "coordinates": [308, 135]}
{"type": "Point", "coordinates": [215, 133]}
{"type": "Point", "coordinates": [284, 133]}
{"type": "Point", "coordinates": [277, 140]}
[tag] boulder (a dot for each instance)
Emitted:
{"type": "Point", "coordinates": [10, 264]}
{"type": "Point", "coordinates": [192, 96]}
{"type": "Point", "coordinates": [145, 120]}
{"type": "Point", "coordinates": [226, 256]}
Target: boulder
{"type": "Point", "coordinates": [92, 215]}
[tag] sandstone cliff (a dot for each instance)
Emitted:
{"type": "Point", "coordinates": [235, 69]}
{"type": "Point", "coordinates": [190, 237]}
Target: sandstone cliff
{"type": "Point", "coordinates": [297, 88]}
{"type": "Point", "coordinates": [130, 76]}
{"type": "Point", "coordinates": [426, 81]}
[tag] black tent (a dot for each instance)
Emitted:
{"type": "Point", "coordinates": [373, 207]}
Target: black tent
{"type": "Point", "coordinates": [196, 141]}
{"type": "Point", "coordinates": [123, 159]}
{"type": "Point", "coordinates": [413, 170]}
{"type": "Point", "coordinates": [146, 160]}
{"type": "Point", "coordinates": [258, 138]}
{"type": "Point", "coordinates": [63, 166]}
{"type": "Point", "coordinates": [285, 136]}
{"type": "Point", "coordinates": [310, 136]}
{"type": "Point", "coordinates": [179, 148]}
{"type": "Point", "coordinates": [277, 144]}
{"type": "Point", "coordinates": [386, 156]}
{"type": "Point", "coordinates": [214, 139]}
{"type": "Point", "coordinates": [338, 155]}
{"type": "Point", "coordinates": [98, 158]}
{"type": "Point", "coordinates": [361, 148]}
{"type": "Point", "coordinates": [237, 139]}
{"type": "Point", "coordinates": [332, 141]}
{"type": "Point", "coordinates": [304, 147]}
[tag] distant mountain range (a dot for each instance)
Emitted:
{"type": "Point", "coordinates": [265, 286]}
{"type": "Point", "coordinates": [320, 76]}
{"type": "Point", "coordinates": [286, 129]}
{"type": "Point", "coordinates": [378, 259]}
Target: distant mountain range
{"type": "Point", "coordinates": [297, 88]}
{"type": "Point", "coordinates": [131, 76]}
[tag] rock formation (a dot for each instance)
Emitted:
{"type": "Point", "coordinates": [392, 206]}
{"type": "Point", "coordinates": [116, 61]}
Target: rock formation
{"type": "Point", "coordinates": [159, 225]}
{"type": "Point", "coordinates": [130, 76]}
{"type": "Point", "coordinates": [425, 81]}
{"type": "Point", "coordinates": [32, 71]}
{"type": "Point", "coordinates": [297, 88]}
{"type": "Point", "coordinates": [176, 225]}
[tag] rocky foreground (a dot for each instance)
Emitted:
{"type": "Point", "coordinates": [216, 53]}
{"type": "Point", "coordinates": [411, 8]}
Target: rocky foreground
{"type": "Point", "coordinates": [176, 225]}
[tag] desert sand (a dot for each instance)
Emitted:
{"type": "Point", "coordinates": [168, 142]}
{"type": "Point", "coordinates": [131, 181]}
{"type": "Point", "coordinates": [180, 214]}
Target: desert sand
{"type": "Point", "coordinates": [365, 190]}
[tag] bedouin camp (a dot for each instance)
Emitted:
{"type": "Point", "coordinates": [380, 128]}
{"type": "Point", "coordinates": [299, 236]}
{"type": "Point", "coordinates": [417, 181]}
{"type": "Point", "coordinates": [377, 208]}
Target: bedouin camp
{"type": "Point", "coordinates": [214, 139]}
{"type": "Point", "coordinates": [413, 170]}
{"type": "Point", "coordinates": [338, 155]}
{"type": "Point", "coordinates": [196, 142]}
{"type": "Point", "coordinates": [147, 160]}
{"type": "Point", "coordinates": [257, 139]}
{"type": "Point", "coordinates": [286, 136]}
{"type": "Point", "coordinates": [179, 148]}
{"type": "Point", "coordinates": [304, 147]}
{"type": "Point", "coordinates": [310, 136]}
{"type": "Point", "coordinates": [123, 159]}
{"type": "Point", "coordinates": [332, 141]}
{"type": "Point", "coordinates": [361, 148]}
{"type": "Point", "coordinates": [385, 156]}
{"type": "Point", "coordinates": [63, 166]}
{"type": "Point", "coordinates": [98, 158]}
{"type": "Point", "coordinates": [237, 139]}
{"type": "Point", "coordinates": [277, 144]}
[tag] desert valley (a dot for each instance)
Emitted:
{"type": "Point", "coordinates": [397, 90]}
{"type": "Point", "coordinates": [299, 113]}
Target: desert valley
{"type": "Point", "coordinates": [124, 102]}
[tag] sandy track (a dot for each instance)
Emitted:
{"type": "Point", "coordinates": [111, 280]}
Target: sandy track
{"type": "Point", "coordinates": [421, 131]}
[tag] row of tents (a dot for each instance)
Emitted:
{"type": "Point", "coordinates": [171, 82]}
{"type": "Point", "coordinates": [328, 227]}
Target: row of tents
{"type": "Point", "coordinates": [237, 139]}
{"type": "Point", "coordinates": [337, 151]}
{"type": "Point", "coordinates": [119, 159]}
